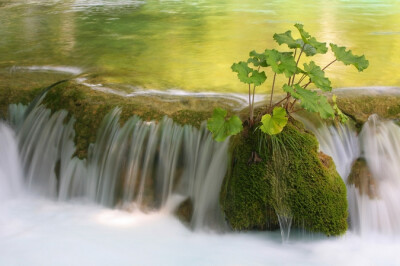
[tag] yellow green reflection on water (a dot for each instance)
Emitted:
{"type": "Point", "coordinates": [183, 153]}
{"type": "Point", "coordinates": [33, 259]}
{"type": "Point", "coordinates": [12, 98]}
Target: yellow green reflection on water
{"type": "Point", "coordinates": [191, 45]}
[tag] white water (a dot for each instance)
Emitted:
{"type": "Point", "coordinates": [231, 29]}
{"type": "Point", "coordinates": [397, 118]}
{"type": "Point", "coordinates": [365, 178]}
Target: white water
{"type": "Point", "coordinates": [142, 164]}
{"type": "Point", "coordinates": [42, 231]}
{"type": "Point", "coordinates": [381, 150]}
{"type": "Point", "coordinates": [379, 144]}
{"type": "Point", "coordinates": [10, 167]}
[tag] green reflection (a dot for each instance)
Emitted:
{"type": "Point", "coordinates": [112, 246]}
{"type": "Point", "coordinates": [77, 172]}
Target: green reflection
{"type": "Point", "coordinates": [191, 44]}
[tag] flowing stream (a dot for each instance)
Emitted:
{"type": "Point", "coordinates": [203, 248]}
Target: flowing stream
{"type": "Point", "coordinates": [118, 204]}
{"type": "Point", "coordinates": [189, 45]}
{"type": "Point", "coordinates": [374, 196]}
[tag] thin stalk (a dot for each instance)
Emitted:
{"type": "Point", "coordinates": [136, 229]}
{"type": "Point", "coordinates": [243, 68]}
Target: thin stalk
{"type": "Point", "coordinates": [292, 106]}
{"type": "Point", "coordinates": [272, 91]}
{"type": "Point", "coordinates": [287, 101]}
{"type": "Point", "coordinates": [329, 64]}
{"type": "Point", "coordinates": [252, 104]}
{"type": "Point", "coordinates": [301, 79]}
{"type": "Point", "coordinates": [306, 85]}
{"type": "Point", "coordinates": [250, 111]}
{"type": "Point", "coordinates": [276, 104]}
{"type": "Point", "coordinates": [296, 110]}
{"type": "Point", "coordinates": [297, 63]}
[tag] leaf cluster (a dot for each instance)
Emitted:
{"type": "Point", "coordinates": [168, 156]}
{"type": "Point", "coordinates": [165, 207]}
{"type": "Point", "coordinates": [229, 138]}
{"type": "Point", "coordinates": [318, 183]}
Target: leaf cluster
{"type": "Point", "coordinates": [286, 64]}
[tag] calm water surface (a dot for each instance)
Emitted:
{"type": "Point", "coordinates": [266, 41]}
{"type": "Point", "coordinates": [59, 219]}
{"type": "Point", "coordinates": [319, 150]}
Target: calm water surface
{"type": "Point", "coordinates": [189, 45]}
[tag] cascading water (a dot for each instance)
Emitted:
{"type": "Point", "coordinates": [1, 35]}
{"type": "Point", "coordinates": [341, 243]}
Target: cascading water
{"type": "Point", "coordinates": [378, 209]}
{"type": "Point", "coordinates": [375, 198]}
{"type": "Point", "coordinates": [10, 168]}
{"type": "Point", "coordinates": [142, 164]}
{"type": "Point", "coordinates": [338, 141]}
{"type": "Point", "coordinates": [73, 233]}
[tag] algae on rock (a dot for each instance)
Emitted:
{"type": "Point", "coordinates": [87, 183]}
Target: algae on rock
{"type": "Point", "coordinates": [308, 184]}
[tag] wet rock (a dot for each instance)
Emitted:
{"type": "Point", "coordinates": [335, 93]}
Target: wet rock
{"type": "Point", "coordinates": [362, 179]}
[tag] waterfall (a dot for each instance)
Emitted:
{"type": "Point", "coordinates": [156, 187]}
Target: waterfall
{"type": "Point", "coordinates": [10, 169]}
{"type": "Point", "coordinates": [146, 165]}
{"type": "Point", "coordinates": [379, 210]}
{"type": "Point", "coordinates": [339, 141]}
{"type": "Point", "coordinates": [374, 201]}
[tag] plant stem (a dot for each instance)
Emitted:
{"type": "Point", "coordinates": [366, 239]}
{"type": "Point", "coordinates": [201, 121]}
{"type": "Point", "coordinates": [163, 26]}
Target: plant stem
{"type": "Point", "coordinates": [252, 105]}
{"type": "Point", "coordinates": [250, 111]}
{"type": "Point", "coordinates": [302, 78]}
{"type": "Point", "coordinates": [306, 85]}
{"type": "Point", "coordinates": [276, 104]}
{"type": "Point", "coordinates": [297, 63]}
{"type": "Point", "coordinates": [272, 91]}
{"type": "Point", "coordinates": [288, 100]}
{"type": "Point", "coordinates": [294, 102]}
{"type": "Point", "coordinates": [296, 110]}
{"type": "Point", "coordinates": [329, 64]}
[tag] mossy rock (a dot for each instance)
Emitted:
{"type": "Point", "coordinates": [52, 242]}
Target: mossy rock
{"type": "Point", "coordinates": [360, 107]}
{"type": "Point", "coordinates": [89, 107]}
{"type": "Point", "coordinates": [311, 189]}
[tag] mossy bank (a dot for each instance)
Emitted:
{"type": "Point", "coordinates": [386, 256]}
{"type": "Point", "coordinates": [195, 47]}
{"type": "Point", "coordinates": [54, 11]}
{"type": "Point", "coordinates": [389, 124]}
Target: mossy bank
{"type": "Point", "coordinates": [292, 179]}
{"type": "Point", "coordinates": [89, 107]}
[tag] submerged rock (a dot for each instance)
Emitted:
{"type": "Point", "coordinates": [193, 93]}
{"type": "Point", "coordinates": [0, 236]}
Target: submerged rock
{"type": "Point", "coordinates": [361, 177]}
{"type": "Point", "coordinates": [185, 211]}
{"type": "Point", "coordinates": [293, 179]}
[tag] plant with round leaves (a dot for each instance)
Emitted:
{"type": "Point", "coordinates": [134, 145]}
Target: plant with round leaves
{"type": "Point", "coordinates": [275, 123]}
{"type": "Point", "coordinates": [250, 76]}
{"type": "Point", "coordinates": [222, 127]}
{"type": "Point", "coordinates": [286, 65]}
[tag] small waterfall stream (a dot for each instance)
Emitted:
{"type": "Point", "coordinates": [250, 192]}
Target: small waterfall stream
{"type": "Point", "coordinates": [377, 205]}
{"type": "Point", "coordinates": [151, 165]}
{"type": "Point", "coordinates": [145, 165]}
{"type": "Point", "coordinates": [374, 202]}
{"type": "Point", "coordinates": [9, 165]}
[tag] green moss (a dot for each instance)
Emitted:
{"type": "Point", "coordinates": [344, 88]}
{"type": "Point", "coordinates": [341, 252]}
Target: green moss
{"type": "Point", "coordinates": [9, 96]}
{"type": "Point", "coordinates": [360, 107]}
{"type": "Point", "coordinates": [195, 118]}
{"type": "Point", "coordinates": [313, 191]}
{"type": "Point", "coordinates": [89, 108]}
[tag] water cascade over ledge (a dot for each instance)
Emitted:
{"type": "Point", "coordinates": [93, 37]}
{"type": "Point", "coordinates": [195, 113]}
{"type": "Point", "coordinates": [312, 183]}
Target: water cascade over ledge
{"type": "Point", "coordinates": [157, 166]}
{"type": "Point", "coordinates": [144, 165]}
{"type": "Point", "coordinates": [374, 197]}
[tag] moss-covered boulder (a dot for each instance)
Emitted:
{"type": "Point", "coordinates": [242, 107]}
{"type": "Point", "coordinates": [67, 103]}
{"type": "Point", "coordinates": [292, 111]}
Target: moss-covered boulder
{"type": "Point", "coordinates": [292, 179]}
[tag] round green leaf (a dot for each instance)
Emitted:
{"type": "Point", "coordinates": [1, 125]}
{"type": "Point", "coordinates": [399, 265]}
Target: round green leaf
{"type": "Point", "coordinates": [248, 75]}
{"type": "Point", "coordinates": [220, 127]}
{"type": "Point", "coordinates": [281, 62]}
{"type": "Point", "coordinates": [287, 39]}
{"type": "Point", "coordinates": [274, 124]}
